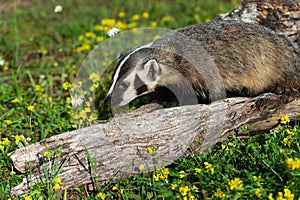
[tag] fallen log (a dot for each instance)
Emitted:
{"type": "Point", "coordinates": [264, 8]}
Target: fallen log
{"type": "Point", "coordinates": [282, 16]}
{"type": "Point", "coordinates": [117, 148]}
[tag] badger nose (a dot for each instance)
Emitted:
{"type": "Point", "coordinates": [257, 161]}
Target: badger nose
{"type": "Point", "coordinates": [107, 100]}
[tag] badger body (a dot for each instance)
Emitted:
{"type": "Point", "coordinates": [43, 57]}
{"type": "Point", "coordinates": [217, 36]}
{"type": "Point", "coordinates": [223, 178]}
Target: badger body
{"type": "Point", "coordinates": [206, 62]}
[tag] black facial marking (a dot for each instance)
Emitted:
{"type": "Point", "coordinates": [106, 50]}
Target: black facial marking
{"type": "Point", "coordinates": [139, 85]}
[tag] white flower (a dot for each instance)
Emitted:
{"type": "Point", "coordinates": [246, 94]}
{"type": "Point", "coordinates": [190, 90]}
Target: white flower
{"type": "Point", "coordinates": [58, 9]}
{"type": "Point", "coordinates": [76, 100]}
{"type": "Point", "coordinates": [2, 62]}
{"type": "Point", "coordinates": [112, 31]}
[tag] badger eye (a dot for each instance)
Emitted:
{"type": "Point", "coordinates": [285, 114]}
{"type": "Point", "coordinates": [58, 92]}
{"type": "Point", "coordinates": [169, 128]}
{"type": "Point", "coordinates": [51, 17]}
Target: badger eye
{"type": "Point", "coordinates": [123, 85]}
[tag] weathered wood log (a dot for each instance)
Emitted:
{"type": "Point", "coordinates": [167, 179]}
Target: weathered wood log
{"type": "Point", "coordinates": [119, 145]}
{"type": "Point", "coordinates": [282, 16]}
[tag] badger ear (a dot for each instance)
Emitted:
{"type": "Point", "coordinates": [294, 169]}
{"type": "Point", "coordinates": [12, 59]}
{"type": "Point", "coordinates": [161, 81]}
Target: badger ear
{"type": "Point", "coordinates": [152, 70]}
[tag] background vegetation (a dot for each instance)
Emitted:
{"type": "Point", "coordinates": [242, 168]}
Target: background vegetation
{"type": "Point", "coordinates": [40, 53]}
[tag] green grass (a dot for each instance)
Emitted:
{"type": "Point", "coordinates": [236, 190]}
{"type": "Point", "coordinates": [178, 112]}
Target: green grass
{"type": "Point", "coordinates": [43, 52]}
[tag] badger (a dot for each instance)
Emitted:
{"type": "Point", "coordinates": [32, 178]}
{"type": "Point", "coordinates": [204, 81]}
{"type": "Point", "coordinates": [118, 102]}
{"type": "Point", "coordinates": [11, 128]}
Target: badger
{"type": "Point", "coordinates": [207, 62]}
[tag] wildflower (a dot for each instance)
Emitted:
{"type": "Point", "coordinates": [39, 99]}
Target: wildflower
{"type": "Point", "coordinates": [258, 193]}
{"type": "Point", "coordinates": [76, 100]}
{"type": "Point", "coordinates": [15, 100]}
{"type": "Point", "coordinates": [90, 35]}
{"type": "Point", "coordinates": [121, 14]}
{"type": "Point", "coordinates": [184, 190]}
{"type": "Point", "coordinates": [58, 9]}
{"type": "Point", "coordinates": [57, 183]}
{"type": "Point", "coordinates": [100, 38]}
{"type": "Point", "coordinates": [153, 24]}
{"type": "Point", "coordinates": [115, 187]}
{"type": "Point", "coordinates": [209, 167]}
{"type": "Point", "coordinates": [47, 154]}
{"type": "Point", "coordinates": [108, 22]}
{"type": "Point", "coordinates": [94, 77]}
{"type": "Point", "coordinates": [5, 141]}
{"type": "Point", "coordinates": [30, 108]}
{"type": "Point", "coordinates": [149, 150]}
{"type": "Point", "coordinates": [55, 64]}
{"type": "Point", "coordinates": [288, 194]}
{"type": "Point", "coordinates": [236, 183]}
{"type": "Point", "coordinates": [8, 122]}
{"type": "Point", "coordinates": [285, 119]}
{"type": "Point", "coordinates": [101, 195]}
{"type": "Point", "coordinates": [1, 147]}
{"type": "Point", "coordinates": [219, 193]}
{"type": "Point", "coordinates": [27, 198]}
{"type": "Point", "coordinates": [270, 196]}
{"type": "Point", "coordinates": [142, 167]}
{"type": "Point", "coordinates": [38, 88]}
{"type": "Point", "coordinates": [182, 174]}
{"type": "Point", "coordinates": [145, 15]}
{"type": "Point", "coordinates": [207, 19]}
{"type": "Point", "coordinates": [191, 196]}
{"type": "Point", "coordinates": [2, 62]}
{"type": "Point", "coordinates": [293, 163]}
{"type": "Point", "coordinates": [112, 31]}
{"type": "Point", "coordinates": [166, 19]}
{"type": "Point", "coordinates": [17, 138]}
{"type": "Point", "coordinates": [286, 142]}
{"type": "Point", "coordinates": [197, 170]}
{"type": "Point", "coordinates": [66, 85]}
{"type": "Point", "coordinates": [196, 17]}
{"type": "Point", "coordinates": [173, 186]}
{"type": "Point", "coordinates": [135, 17]}
{"type": "Point", "coordinates": [291, 132]}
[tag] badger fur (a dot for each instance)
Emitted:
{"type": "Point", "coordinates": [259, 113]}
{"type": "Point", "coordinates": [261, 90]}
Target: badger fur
{"type": "Point", "coordinates": [206, 62]}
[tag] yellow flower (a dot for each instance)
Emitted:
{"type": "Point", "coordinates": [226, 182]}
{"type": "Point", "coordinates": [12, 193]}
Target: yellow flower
{"type": "Point", "coordinates": [207, 19]}
{"type": "Point", "coordinates": [108, 22]}
{"type": "Point", "coordinates": [145, 15]}
{"type": "Point", "coordinates": [57, 183]}
{"type": "Point", "coordinates": [182, 174]}
{"type": "Point", "coordinates": [286, 142]}
{"type": "Point", "coordinates": [270, 196]}
{"type": "Point", "coordinates": [183, 190]}
{"type": "Point", "coordinates": [135, 17]}
{"type": "Point", "coordinates": [15, 100]}
{"type": "Point", "coordinates": [149, 150]}
{"type": "Point", "coordinates": [38, 88]}
{"type": "Point", "coordinates": [153, 24]}
{"type": "Point", "coordinates": [197, 170]}
{"type": "Point", "coordinates": [8, 122]}
{"type": "Point", "coordinates": [17, 138]}
{"type": "Point", "coordinates": [5, 141]}
{"type": "Point", "coordinates": [27, 198]}
{"type": "Point", "coordinates": [209, 167]}
{"type": "Point", "coordinates": [115, 187]}
{"type": "Point", "coordinates": [166, 19]}
{"type": "Point", "coordinates": [56, 187]}
{"type": "Point", "coordinates": [293, 163]}
{"type": "Point", "coordinates": [173, 186]}
{"type": "Point", "coordinates": [142, 167]}
{"type": "Point", "coordinates": [285, 119]}
{"type": "Point", "coordinates": [236, 183]}
{"type": "Point", "coordinates": [196, 17]}
{"type": "Point", "coordinates": [1, 147]}
{"type": "Point", "coordinates": [288, 194]}
{"type": "Point", "coordinates": [30, 108]}
{"type": "Point", "coordinates": [90, 35]}
{"type": "Point", "coordinates": [121, 14]}
{"type": "Point", "coordinates": [101, 195]}
{"type": "Point", "coordinates": [55, 64]}
{"type": "Point", "coordinates": [94, 77]}
{"type": "Point", "coordinates": [258, 193]}
{"type": "Point", "coordinates": [219, 193]}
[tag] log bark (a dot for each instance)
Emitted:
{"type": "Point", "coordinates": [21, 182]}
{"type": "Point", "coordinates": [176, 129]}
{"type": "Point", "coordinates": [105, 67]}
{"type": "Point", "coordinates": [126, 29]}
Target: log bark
{"type": "Point", "coordinates": [117, 148]}
{"type": "Point", "coordinates": [97, 154]}
{"type": "Point", "coordinates": [282, 16]}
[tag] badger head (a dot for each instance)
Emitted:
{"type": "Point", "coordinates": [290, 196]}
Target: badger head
{"type": "Point", "coordinates": [137, 73]}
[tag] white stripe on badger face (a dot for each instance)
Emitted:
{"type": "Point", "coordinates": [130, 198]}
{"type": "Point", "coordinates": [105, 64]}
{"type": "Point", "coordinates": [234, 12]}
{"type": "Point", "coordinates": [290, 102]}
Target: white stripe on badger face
{"type": "Point", "coordinates": [116, 76]}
